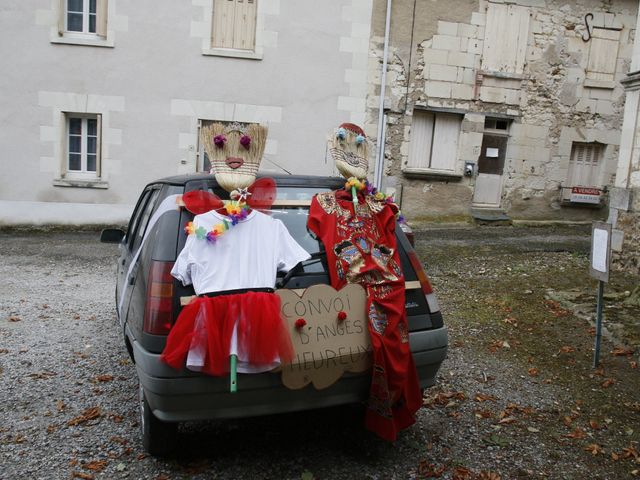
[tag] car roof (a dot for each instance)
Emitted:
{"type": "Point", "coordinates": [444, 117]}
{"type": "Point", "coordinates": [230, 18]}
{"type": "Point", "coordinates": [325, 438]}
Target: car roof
{"type": "Point", "coordinates": [281, 180]}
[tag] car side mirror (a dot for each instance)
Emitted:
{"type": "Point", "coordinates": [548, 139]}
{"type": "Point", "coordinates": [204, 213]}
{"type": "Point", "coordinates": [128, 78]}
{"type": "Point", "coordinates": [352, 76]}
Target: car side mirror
{"type": "Point", "coordinates": [112, 235]}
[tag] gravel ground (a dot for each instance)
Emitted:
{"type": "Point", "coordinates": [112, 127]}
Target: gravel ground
{"type": "Point", "coordinates": [515, 398]}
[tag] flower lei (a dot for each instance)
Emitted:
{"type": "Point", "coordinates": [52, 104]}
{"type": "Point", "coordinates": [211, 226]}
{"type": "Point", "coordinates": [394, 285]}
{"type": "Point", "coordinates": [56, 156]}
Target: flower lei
{"type": "Point", "coordinates": [236, 212]}
{"type": "Point", "coordinates": [369, 189]}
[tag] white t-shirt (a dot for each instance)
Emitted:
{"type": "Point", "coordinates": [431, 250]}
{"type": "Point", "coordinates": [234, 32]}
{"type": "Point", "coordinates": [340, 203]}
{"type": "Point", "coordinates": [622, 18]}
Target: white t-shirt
{"type": "Point", "coordinates": [248, 255]}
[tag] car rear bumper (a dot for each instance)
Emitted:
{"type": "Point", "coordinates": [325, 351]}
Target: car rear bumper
{"type": "Point", "coordinates": [176, 396]}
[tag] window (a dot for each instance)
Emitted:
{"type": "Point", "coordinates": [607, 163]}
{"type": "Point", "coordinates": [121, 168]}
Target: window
{"type": "Point", "coordinates": [584, 165]}
{"type": "Point", "coordinates": [83, 18]}
{"type": "Point", "coordinates": [603, 55]}
{"type": "Point", "coordinates": [83, 146]}
{"type": "Point", "coordinates": [434, 142]}
{"type": "Point", "coordinates": [505, 40]}
{"type": "Point", "coordinates": [234, 24]}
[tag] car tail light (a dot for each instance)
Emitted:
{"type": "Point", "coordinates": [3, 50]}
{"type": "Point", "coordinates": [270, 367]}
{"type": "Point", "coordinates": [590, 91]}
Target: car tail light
{"type": "Point", "coordinates": [425, 285]}
{"type": "Point", "coordinates": [158, 311]}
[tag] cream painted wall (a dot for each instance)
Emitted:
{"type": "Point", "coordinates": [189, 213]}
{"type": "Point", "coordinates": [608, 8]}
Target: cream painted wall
{"type": "Point", "coordinates": [156, 82]}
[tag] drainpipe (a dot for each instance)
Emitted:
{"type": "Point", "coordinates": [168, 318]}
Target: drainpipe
{"type": "Point", "coordinates": [381, 115]}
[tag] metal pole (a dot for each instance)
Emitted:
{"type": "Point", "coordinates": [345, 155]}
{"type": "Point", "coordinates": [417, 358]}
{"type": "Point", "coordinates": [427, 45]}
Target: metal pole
{"type": "Point", "coordinates": [596, 353]}
{"type": "Point", "coordinates": [383, 87]}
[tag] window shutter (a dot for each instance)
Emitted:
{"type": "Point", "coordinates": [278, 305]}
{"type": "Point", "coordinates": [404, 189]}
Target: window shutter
{"type": "Point", "coordinates": [421, 137]}
{"type": "Point", "coordinates": [103, 15]}
{"type": "Point", "coordinates": [244, 30]}
{"type": "Point", "coordinates": [223, 23]}
{"type": "Point", "coordinates": [506, 35]}
{"type": "Point", "coordinates": [445, 142]}
{"type": "Point", "coordinates": [62, 15]}
{"type": "Point", "coordinates": [603, 54]}
{"type": "Point", "coordinates": [99, 144]}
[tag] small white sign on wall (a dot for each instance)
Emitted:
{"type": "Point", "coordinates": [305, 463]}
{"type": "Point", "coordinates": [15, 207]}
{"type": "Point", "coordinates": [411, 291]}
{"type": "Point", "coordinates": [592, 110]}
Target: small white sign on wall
{"type": "Point", "coordinates": [493, 152]}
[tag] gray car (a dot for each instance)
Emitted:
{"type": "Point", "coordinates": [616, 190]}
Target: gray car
{"type": "Point", "coordinates": [148, 301]}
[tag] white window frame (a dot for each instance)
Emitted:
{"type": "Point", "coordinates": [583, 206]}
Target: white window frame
{"type": "Point", "coordinates": [423, 149]}
{"type": "Point", "coordinates": [501, 54]}
{"type": "Point", "coordinates": [83, 173]}
{"type": "Point", "coordinates": [102, 37]}
{"type": "Point", "coordinates": [255, 53]}
{"type": "Point", "coordinates": [86, 14]}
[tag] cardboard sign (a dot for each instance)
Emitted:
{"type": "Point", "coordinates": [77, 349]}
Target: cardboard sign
{"type": "Point", "coordinates": [325, 347]}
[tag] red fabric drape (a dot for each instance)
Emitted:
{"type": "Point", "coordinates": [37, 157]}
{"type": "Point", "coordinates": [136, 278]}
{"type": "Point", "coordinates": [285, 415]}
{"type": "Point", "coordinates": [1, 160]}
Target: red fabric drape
{"type": "Point", "coordinates": [361, 248]}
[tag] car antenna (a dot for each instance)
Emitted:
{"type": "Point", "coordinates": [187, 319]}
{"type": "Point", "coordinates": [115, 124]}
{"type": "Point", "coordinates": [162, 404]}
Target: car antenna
{"type": "Point", "coordinates": [279, 166]}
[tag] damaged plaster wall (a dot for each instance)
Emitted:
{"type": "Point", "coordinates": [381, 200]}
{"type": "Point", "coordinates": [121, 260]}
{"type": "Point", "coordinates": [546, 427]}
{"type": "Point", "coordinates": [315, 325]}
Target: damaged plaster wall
{"type": "Point", "coordinates": [435, 63]}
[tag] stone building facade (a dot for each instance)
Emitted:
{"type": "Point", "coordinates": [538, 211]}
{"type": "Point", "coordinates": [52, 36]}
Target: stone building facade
{"type": "Point", "coordinates": [509, 107]}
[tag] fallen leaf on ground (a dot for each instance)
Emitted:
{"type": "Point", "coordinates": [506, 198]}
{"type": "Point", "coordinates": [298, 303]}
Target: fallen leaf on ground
{"type": "Point", "coordinates": [532, 430]}
{"type": "Point", "coordinates": [507, 420]}
{"type": "Point", "coordinates": [481, 397]}
{"type": "Point", "coordinates": [567, 421]}
{"type": "Point", "coordinates": [533, 372]}
{"type": "Point", "coordinates": [607, 383]}
{"type": "Point", "coordinates": [633, 364]}
{"type": "Point", "coordinates": [488, 475]}
{"type": "Point", "coordinates": [622, 352]}
{"type": "Point", "coordinates": [511, 321]}
{"type": "Point", "coordinates": [4, 350]}
{"type": "Point", "coordinates": [462, 473]}
{"type": "Point", "coordinates": [430, 470]}
{"type": "Point", "coordinates": [443, 399]}
{"type": "Point", "coordinates": [631, 452]}
{"type": "Point", "coordinates": [567, 349]}
{"type": "Point", "coordinates": [51, 428]}
{"type": "Point", "coordinates": [87, 415]}
{"type": "Point", "coordinates": [42, 375]}
{"type": "Point", "coordinates": [95, 465]}
{"type": "Point", "coordinates": [14, 319]}
{"type": "Point", "coordinates": [104, 378]}
{"type": "Point", "coordinates": [577, 434]}
{"type": "Point", "coordinates": [84, 476]}
{"type": "Point", "coordinates": [594, 449]}
{"type": "Point", "coordinates": [483, 414]}
{"type": "Point", "coordinates": [60, 406]}
{"type": "Point", "coordinates": [593, 424]}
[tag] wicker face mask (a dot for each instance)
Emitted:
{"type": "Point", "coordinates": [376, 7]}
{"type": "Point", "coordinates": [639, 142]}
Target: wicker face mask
{"type": "Point", "coordinates": [235, 151]}
{"type": "Point", "coordinates": [349, 148]}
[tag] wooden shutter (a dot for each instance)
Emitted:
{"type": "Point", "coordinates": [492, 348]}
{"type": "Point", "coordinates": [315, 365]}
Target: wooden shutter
{"type": "Point", "coordinates": [584, 167]}
{"type": "Point", "coordinates": [421, 138]}
{"type": "Point", "coordinates": [506, 35]}
{"type": "Point", "coordinates": [603, 54]}
{"type": "Point", "coordinates": [244, 29]}
{"type": "Point", "coordinates": [102, 14]}
{"type": "Point", "coordinates": [62, 16]}
{"type": "Point", "coordinates": [223, 23]}
{"type": "Point", "coordinates": [445, 141]}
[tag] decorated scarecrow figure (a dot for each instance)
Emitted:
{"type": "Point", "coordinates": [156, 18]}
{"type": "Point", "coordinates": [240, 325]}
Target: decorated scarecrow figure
{"type": "Point", "coordinates": [232, 255]}
{"type": "Point", "coordinates": [357, 227]}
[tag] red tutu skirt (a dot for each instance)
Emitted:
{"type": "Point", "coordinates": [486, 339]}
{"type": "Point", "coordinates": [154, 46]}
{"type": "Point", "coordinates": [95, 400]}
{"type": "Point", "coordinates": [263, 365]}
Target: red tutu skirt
{"type": "Point", "coordinates": [207, 326]}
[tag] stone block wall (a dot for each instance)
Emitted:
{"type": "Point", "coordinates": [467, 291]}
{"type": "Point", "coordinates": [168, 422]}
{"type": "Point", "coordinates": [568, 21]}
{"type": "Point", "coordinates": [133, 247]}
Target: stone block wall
{"type": "Point", "coordinates": [551, 104]}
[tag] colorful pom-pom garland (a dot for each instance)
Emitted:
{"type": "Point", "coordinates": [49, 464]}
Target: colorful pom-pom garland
{"type": "Point", "coordinates": [300, 323]}
{"type": "Point", "coordinates": [368, 189]}
{"type": "Point", "coordinates": [342, 316]}
{"type": "Point", "coordinates": [236, 212]}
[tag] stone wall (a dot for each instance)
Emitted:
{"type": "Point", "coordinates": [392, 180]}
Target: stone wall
{"type": "Point", "coordinates": [551, 104]}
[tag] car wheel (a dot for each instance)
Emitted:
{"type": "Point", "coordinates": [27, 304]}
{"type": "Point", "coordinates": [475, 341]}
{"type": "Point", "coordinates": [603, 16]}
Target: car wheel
{"type": "Point", "coordinates": [158, 437]}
